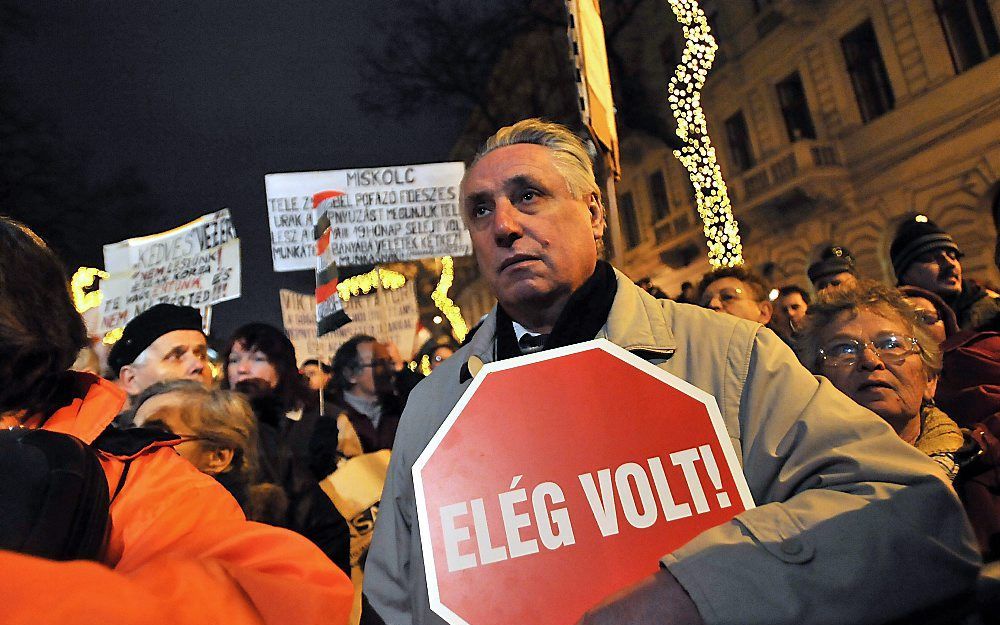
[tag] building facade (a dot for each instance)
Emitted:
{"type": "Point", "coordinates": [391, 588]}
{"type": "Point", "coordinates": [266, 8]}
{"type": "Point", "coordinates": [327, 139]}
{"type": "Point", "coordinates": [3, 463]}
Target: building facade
{"type": "Point", "coordinates": [833, 120]}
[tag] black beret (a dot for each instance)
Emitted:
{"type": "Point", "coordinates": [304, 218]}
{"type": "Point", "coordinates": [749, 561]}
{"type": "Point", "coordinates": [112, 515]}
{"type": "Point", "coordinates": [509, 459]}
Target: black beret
{"type": "Point", "coordinates": [149, 326]}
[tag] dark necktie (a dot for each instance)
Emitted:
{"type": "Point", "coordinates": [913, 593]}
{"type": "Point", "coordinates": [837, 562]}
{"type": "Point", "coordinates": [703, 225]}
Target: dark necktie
{"type": "Point", "coordinates": [530, 343]}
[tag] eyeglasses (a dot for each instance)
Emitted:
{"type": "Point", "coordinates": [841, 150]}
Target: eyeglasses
{"type": "Point", "coordinates": [162, 427]}
{"type": "Point", "coordinates": [892, 349]}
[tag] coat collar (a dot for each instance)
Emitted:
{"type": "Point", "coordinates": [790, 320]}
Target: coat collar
{"type": "Point", "coordinates": [91, 411]}
{"type": "Point", "coordinates": [637, 322]}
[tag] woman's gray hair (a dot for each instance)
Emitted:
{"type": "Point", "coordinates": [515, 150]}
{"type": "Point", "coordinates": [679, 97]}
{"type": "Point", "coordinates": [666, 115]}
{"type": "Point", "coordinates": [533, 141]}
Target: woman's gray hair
{"type": "Point", "coordinates": [871, 296]}
{"type": "Point", "coordinates": [223, 419]}
{"type": "Point", "coordinates": [569, 153]}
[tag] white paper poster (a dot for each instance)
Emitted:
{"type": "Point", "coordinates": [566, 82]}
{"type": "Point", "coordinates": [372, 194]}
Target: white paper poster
{"type": "Point", "coordinates": [387, 214]}
{"type": "Point", "coordinates": [197, 264]}
{"type": "Point", "coordinates": [385, 314]}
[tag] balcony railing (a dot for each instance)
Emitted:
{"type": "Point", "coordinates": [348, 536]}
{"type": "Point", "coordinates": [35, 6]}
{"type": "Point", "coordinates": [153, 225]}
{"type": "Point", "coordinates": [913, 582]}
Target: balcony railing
{"type": "Point", "coordinates": [798, 162]}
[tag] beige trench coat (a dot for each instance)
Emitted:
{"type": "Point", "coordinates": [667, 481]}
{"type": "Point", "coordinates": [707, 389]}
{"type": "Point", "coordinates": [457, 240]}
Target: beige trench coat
{"type": "Point", "coordinates": [852, 524]}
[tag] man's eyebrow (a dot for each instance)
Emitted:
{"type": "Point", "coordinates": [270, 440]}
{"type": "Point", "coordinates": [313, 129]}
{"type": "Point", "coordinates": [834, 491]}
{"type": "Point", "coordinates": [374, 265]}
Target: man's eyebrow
{"type": "Point", "coordinates": [177, 351]}
{"type": "Point", "coordinates": [522, 180]}
{"type": "Point", "coordinates": [477, 196]}
{"type": "Point", "coordinates": [519, 181]}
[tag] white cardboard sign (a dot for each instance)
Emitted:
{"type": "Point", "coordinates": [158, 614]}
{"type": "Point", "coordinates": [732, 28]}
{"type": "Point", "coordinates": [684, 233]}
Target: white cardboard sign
{"type": "Point", "coordinates": [197, 264]}
{"type": "Point", "coordinates": [386, 315]}
{"type": "Point", "coordinates": [389, 214]}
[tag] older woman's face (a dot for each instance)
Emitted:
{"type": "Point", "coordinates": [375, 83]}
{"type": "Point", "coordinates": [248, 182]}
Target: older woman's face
{"type": "Point", "coordinates": [893, 390]}
{"type": "Point", "coordinates": [929, 315]}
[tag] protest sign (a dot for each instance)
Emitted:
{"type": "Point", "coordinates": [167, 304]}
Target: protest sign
{"type": "Point", "coordinates": [197, 264]}
{"type": "Point", "coordinates": [564, 476]}
{"type": "Point", "coordinates": [385, 214]}
{"type": "Point", "coordinates": [291, 218]}
{"type": "Point", "coordinates": [388, 315]}
{"type": "Point", "coordinates": [355, 489]}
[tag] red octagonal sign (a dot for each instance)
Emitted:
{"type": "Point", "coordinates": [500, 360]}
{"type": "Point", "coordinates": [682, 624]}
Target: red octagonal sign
{"type": "Point", "coordinates": [563, 476]}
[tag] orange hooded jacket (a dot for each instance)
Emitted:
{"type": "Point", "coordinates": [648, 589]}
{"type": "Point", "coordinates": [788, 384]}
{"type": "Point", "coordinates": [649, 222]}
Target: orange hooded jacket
{"type": "Point", "coordinates": [181, 552]}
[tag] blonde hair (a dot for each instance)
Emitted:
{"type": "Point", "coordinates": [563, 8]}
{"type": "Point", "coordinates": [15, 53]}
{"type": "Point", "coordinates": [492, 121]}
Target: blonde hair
{"type": "Point", "coordinates": [870, 296]}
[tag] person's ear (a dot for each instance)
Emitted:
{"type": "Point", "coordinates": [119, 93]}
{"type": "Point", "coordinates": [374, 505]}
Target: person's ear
{"type": "Point", "coordinates": [216, 461]}
{"type": "Point", "coordinates": [597, 220]}
{"type": "Point", "coordinates": [931, 389]}
{"type": "Point", "coordinates": [128, 380]}
{"type": "Point", "coordinates": [766, 311]}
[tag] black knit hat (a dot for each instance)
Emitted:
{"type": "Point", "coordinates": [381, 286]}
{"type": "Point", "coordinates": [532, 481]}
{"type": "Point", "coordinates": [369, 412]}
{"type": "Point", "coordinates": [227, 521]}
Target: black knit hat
{"type": "Point", "coordinates": [835, 259]}
{"type": "Point", "coordinates": [149, 326]}
{"type": "Point", "coordinates": [914, 238]}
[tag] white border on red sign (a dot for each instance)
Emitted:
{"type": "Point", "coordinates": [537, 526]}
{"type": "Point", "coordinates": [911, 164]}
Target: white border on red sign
{"type": "Point", "coordinates": [430, 571]}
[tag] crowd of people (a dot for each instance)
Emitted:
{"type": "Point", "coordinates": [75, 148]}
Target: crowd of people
{"type": "Point", "coordinates": [923, 354]}
{"type": "Point", "coordinates": [220, 479]}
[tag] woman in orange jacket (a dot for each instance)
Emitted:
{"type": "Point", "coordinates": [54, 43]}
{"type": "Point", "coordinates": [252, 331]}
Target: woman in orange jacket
{"type": "Point", "coordinates": [180, 550]}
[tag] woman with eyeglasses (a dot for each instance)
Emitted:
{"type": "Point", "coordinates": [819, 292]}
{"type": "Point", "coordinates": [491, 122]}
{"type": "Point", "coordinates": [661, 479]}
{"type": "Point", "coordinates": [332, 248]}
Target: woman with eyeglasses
{"type": "Point", "coordinates": [179, 550]}
{"type": "Point", "coordinates": [218, 436]}
{"type": "Point", "coordinates": [870, 343]}
{"type": "Point", "coordinates": [876, 347]}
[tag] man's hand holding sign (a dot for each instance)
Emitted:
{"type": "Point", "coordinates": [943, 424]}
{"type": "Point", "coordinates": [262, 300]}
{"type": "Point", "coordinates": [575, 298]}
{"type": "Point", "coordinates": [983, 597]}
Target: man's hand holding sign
{"type": "Point", "coordinates": [502, 507]}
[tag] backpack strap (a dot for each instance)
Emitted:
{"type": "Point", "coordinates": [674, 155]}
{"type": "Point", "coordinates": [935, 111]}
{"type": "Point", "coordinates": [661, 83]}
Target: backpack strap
{"type": "Point", "coordinates": [127, 445]}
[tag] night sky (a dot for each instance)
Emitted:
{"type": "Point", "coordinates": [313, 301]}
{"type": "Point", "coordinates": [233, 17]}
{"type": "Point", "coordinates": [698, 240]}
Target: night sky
{"type": "Point", "coordinates": [202, 99]}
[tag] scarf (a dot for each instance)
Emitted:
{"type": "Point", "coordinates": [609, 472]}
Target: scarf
{"type": "Point", "coordinates": [939, 438]}
{"type": "Point", "coordinates": [585, 314]}
{"type": "Point", "coordinates": [975, 307]}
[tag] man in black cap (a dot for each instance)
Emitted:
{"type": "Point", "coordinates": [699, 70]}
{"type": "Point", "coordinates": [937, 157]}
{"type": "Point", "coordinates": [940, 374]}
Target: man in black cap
{"type": "Point", "coordinates": [835, 267]}
{"type": "Point", "coordinates": [163, 343]}
{"type": "Point", "coordinates": [926, 256]}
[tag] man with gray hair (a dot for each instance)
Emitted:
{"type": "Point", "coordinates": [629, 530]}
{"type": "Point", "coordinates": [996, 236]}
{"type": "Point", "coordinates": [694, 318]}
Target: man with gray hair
{"type": "Point", "coordinates": [842, 503]}
{"type": "Point", "coordinates": [161, 344]}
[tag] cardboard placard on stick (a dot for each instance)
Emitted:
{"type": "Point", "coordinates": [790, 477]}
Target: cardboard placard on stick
{"type": "Point", "coordinates": [385, 214]}
{"type": "Point", "coordinates": [386, 315]}
{"type": "Point", "coordinates": [197, 264]}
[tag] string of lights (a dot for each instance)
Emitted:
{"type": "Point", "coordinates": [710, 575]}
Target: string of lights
{"type": "Point", "coordinates": [364, 283]}
{"type": "Point", "coordinates": [698, 155]}
{"type": "Point", "coordinates": [444, 303]}
{"type": "Point", "coordinates": [81, 280]}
